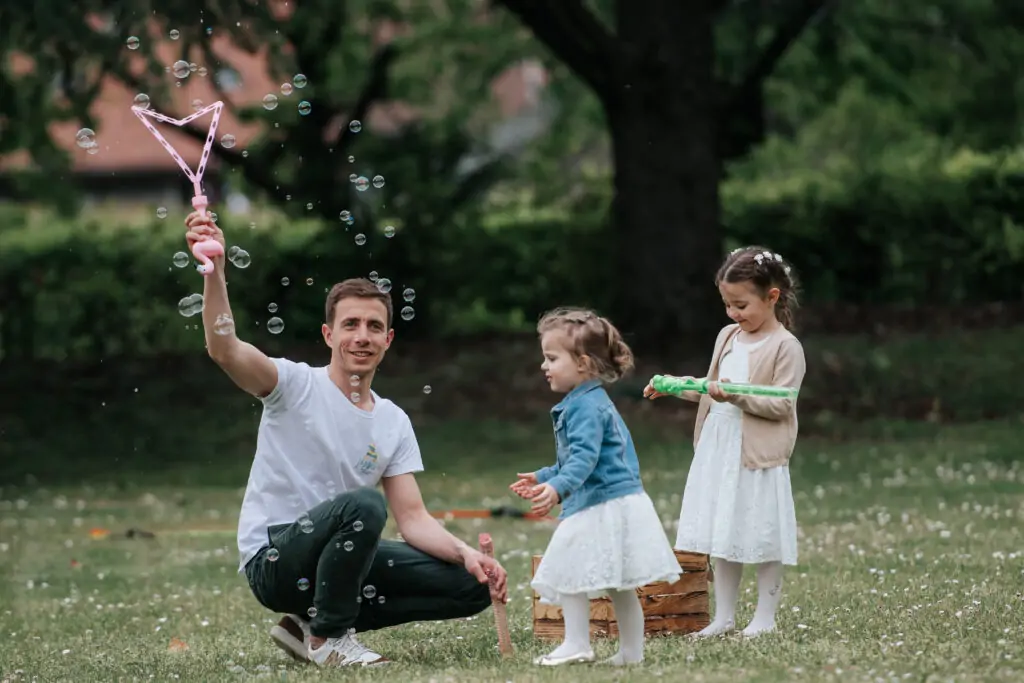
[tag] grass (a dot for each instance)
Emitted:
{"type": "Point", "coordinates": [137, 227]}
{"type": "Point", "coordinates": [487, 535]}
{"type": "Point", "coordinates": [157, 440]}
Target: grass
{"type": "Point", "coordinates": [911, 567]}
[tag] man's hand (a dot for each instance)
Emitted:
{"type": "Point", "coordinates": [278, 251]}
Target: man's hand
{"type": "Point", "coordinates": [202, 228]}
{"type": "Point", "coordinates": [524, 487]}
{"type": "Point", "coordinates": [485, 568]}
{"type": "Point", "coordinates": [544, 498]}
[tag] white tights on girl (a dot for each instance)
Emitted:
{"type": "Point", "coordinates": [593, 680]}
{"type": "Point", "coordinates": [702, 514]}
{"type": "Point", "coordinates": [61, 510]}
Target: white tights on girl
{"type": "Point", "coordinates": [576, 645]}
{"type": "Point", "coordinates": [727, 587]}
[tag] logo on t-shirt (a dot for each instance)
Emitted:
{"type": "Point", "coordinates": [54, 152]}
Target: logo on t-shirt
{"type": "Point", "coordinates": [369, 461]}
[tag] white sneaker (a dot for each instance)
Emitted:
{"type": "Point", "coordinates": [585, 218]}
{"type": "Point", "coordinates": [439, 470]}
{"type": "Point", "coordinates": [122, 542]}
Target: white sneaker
{"type": "Point", "coordinates": [291, 634]}
{"type": "Point", "coordinates": [345, 651]}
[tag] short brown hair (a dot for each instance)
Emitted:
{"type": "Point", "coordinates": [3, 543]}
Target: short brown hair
{"type": "Point", "coordinates": [764, 269]}
{"type": "Point", "coordinates": [593, 337]}
{"type": "Point", "coordinates": [358, 288]}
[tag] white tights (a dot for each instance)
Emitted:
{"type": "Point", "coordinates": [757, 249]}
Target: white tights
{"type": "Point", "coordinates": [628, 613]}
{"type": "Point", "coordinates": [727, 586]}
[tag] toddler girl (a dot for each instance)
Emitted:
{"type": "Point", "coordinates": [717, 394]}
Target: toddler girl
{"type": "Point", "coordinates": [610, 537]}
{"type": "Point", "coordinates": [738, 502]}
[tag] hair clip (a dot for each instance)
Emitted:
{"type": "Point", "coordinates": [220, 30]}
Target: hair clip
{"type": "Point", "coordinates": [759, 258]}
{"type": "Point", "coordinates": [778, 258]}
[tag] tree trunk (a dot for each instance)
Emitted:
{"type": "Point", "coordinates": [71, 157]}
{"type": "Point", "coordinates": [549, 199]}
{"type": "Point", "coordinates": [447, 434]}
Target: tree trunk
{"type": "Point", "coordinates": [666, 217]}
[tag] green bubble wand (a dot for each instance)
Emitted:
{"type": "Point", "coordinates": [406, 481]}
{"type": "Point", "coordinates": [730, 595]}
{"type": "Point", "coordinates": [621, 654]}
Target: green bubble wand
{"type": "Point", "coordinates": [677, 385]}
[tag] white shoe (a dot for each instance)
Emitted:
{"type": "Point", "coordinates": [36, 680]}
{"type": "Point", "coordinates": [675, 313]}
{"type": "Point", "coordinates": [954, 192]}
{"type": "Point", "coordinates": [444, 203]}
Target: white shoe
{"type": "Point", "coordinates": [291, 634]}
{"type": "Point", "coordinates": [575, 658]}
{"type": "Point", "coordinates": [345, 651]}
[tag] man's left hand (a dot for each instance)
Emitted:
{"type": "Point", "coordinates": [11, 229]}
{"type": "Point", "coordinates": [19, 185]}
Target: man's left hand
{"type": "Point", "coordinates": [485, 568]}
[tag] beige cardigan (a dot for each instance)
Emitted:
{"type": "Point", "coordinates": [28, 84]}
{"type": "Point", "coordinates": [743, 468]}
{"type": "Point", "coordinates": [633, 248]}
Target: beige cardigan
{"type": "Point", "coordinates": [769, 424]}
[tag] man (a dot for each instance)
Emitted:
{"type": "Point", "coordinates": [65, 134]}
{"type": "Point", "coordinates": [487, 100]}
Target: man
{"type": "Point", "coordinates": [311, 519]}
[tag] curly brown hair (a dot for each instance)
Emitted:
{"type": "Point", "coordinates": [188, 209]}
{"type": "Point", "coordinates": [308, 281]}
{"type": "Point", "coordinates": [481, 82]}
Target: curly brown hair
{"type": "Point", "coordinates": [593, 338]}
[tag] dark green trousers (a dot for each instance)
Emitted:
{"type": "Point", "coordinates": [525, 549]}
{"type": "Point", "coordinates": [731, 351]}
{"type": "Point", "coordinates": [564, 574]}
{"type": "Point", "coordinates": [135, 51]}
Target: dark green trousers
{"type": "Point", "coordinates": [333, 559]}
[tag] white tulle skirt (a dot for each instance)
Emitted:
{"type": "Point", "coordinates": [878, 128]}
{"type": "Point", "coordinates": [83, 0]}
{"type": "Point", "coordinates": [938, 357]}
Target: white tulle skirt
{"type": "Point", "coordinates": [732, 512]}
{"type": "Point", "coordinates": [616, 545]}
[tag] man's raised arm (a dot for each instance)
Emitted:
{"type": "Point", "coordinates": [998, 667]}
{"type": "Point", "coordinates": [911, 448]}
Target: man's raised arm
{"type": "Point", "coordinates": [247, 366]}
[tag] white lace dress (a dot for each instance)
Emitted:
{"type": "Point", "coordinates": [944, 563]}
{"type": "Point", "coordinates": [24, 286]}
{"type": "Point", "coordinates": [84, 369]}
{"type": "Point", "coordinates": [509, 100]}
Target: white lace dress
{"type": "Point", "coordinates": [730, 511]}
{"type": "Point", "coordinates": [616, 545]}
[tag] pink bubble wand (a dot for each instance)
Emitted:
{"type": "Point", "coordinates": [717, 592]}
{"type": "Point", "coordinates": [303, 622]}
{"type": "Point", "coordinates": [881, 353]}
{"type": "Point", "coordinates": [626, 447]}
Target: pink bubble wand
{"type": "Point", "coordinates": [204, 250]}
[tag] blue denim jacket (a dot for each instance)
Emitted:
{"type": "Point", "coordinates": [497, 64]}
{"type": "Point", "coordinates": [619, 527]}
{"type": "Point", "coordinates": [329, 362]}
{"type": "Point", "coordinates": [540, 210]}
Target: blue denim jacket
{"type": "Point", "coordinates": [596, 459]}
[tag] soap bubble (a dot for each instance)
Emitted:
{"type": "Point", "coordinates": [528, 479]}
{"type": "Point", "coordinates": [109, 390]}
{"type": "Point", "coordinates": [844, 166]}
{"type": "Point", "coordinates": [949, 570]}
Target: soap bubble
{"type": "Point", "coordinates": [191, 305]}
{"type": "Point", "coordinates": [286, 89]}
{"type": "Point", "coordinates": [354, 380]}
{"type": "Point", "coordinates": [303, 584]}
{"type": "Point", "coordinates": [180, 259]}
{"type": "Point", "coordinates": [408, 313]}
{"type": "Point", "coordinates": [224, 326]}
{"type": "Point", "coordinates": [197, 104]}
{"type": "Point", "coordinates": [381, 599]}
{"type": "Point", "coordinates": [357, 525]}
{"type": "Point", "coordinates": [180, 69]}
{"type": "Point", "coordinates": [369, 591]}
{"type": "Point", "coordinates": [299, 81]}
{"type": "Point", "coordinates": [427, 389]}
{"type": "Point", "coordinates": [285, 282]}
{"type": "Point", "coordinates": [374, 275]}
{"type": "Point", "coordinates": [384, 285]}
{"type": "Point", "coordinates": [391, 563]}
{"type": "Point", "coordinates": [360, 239]}
{"type": "Point", "coordinates": [175, 34]}
{"type": "Point", "coordinates": [161, 212]}
{"type": "Point", "coordinates": [270, 102]}
{"type": "Point", "coordinates": [355, 126]}
{"type": "Point", "coordinates": [362, 184]}
{"type": "Point", "coordinates": [355, 397]}
{"type": "Point", "coordinates": [311, 612]}
{"type": "Point", "coordinates": [349, 545]}
{"type": "Point", "coordinates": [275, 325]}
{"type": "Point", "coordinates": [86, 138]}
{"type": "Point", "coordinates": [389, 231]}
{"type": "Point", "coordinates": [132, 43]}
{"type": "Point", "coordinates": [409, 294]}
{"type": "Point", "coordinates": [228, 141]}
{"type": "Point", "coordinates": [142, 101]}
{"type": "Point", "coordinates": [345, 215]}
{"type": "Point", "coordinates": [351, 159]}
{"type": "Point", "coordinates": [272, 307]}
{"type": "Point", "coordinates": [378, 181]}
{"type": "Point", "coordinates": [309, 206]}
{"type": "Point", "coordinates": [242, 259]}
{"type": "Point", "coordinates": [305, 107]}
{"type": "Point", "coordinates": [309, 282]}
{"type": "Point", "coordinates": [273, 554]}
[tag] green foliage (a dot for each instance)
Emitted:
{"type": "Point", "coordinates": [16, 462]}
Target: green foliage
{"type": "Point", "coordinates": [90, 290]}
{"type": "Point", "coordinates": [873, 208]}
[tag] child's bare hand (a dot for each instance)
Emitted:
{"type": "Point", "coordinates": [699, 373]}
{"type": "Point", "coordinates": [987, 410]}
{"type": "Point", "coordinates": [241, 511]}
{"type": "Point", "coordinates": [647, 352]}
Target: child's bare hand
{"type": "Point", "coordinates": [201, 228]}
{"type": "Point", "coordinates": [652, 393]}
{"type": "Point", "coordinates": [524, 487]}
{"type": "Point", "coordinates": [718, 393]}
{"type": "Point", "coordinates": [544, 498]}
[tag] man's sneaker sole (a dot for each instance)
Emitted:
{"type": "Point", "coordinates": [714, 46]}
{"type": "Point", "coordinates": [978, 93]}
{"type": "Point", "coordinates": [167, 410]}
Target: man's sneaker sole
{"type": "Point", "coordinates": [287, 635]}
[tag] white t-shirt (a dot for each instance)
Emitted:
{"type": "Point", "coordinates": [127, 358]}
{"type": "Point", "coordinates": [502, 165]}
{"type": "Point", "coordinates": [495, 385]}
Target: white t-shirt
{"type": "Point", "coordinates": [314, 444]}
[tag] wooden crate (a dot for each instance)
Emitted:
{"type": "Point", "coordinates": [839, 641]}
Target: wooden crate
{"type": "Point", "coordinates": [680, 607]}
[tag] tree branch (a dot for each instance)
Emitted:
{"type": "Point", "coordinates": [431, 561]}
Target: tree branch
{"type": "Point", "coordinates": [574, 34]}
{"type": "Point", "coordinates": [802, 16]}
{"type": "Point", "coordinates": [375, 89]}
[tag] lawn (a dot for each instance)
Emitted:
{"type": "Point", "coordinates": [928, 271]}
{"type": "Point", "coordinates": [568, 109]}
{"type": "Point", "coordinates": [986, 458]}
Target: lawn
{"type": "Point", "coordinates": [911, 567]}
